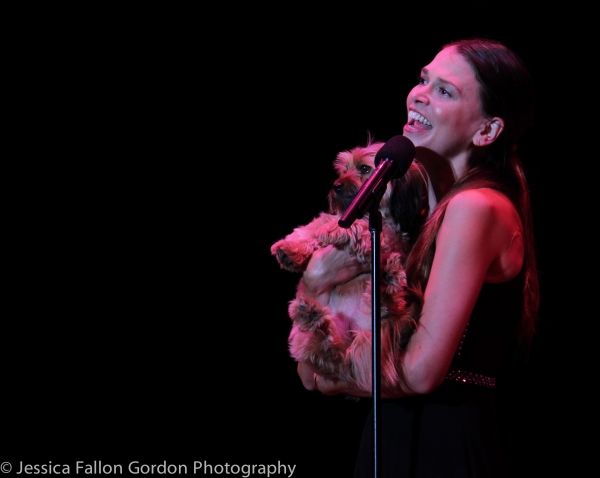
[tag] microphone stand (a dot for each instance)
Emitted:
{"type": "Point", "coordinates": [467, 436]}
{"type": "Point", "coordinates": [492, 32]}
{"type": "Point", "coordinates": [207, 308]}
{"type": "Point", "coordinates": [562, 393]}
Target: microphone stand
{"type": "Point", "coordinates": [375, 224]}
{"type": "Point", "coordinates": [369, 196]}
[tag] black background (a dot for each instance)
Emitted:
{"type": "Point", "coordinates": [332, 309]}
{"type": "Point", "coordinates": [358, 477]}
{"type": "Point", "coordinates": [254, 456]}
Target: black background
{"type": "Point", "coordinates": [151, 320]}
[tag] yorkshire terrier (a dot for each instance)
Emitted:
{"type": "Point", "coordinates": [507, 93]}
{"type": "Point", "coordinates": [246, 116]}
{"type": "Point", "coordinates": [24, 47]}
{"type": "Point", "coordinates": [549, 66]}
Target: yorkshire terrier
{"type": "Point", "coordinates": [336, 337]}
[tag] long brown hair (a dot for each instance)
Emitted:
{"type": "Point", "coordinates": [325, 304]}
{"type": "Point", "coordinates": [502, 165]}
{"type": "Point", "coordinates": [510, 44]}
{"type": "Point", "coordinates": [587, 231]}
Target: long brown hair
{"type": "Point", "coordinates": [506, 90]}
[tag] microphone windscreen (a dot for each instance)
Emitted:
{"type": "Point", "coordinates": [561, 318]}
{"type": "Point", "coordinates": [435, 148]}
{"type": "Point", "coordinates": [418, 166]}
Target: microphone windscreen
{"type": "Point", "coordinates": [398, 149]}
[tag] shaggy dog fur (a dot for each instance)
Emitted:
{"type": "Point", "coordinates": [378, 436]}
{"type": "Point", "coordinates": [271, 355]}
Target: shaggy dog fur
{"type": "Point", "coordinates": [336, 337]}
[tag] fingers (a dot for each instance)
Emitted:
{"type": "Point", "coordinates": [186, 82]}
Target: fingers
{"type": "Point", "coordinates": [307, 375]}
{"type": "Point", "coordinates": [329, 267]}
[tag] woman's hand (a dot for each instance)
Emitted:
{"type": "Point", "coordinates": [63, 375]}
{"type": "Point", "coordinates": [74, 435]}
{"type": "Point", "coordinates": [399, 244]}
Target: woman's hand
{"type": "Point", "coordinates": [313, 381]}
{"type": "Point", "coordinates": [327, 268]}
{"type": "Point", "coordinates": [307, 375]}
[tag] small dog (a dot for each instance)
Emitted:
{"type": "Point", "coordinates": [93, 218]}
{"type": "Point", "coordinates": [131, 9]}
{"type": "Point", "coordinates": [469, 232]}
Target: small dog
{"type": "Point", "coordinates": [336, 337]}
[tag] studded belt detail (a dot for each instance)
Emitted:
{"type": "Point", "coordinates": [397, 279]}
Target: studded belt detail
{"type": "Point", "coordinates": [471, 378]}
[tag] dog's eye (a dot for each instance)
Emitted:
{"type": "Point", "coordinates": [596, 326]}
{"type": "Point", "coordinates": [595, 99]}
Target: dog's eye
{"type": "Point", "coordinates": [365, 169]}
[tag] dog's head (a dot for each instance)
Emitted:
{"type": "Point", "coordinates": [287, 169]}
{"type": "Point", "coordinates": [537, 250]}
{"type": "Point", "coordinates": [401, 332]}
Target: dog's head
{"type": "Point", "coordinates": [405, 202]}
{"type": "Point", "coordinates": [353, 168]}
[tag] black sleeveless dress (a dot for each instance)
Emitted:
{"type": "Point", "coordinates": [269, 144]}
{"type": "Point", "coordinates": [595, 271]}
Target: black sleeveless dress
{"type": "Point", "coordinates": [452, 432]}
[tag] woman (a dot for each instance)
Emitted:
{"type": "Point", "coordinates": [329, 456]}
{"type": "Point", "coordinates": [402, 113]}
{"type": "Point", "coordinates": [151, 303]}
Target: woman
{"type": "Point", "coordinates": [472, 273]}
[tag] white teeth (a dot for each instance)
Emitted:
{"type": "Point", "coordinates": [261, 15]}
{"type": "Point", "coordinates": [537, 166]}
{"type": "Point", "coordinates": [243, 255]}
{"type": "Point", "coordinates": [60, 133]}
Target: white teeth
{"type": "Point", "coordinates": [416, 116]}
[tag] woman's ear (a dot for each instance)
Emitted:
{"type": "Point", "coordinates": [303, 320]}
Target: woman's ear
{"type": "Point", "coordinates": [489, 132]}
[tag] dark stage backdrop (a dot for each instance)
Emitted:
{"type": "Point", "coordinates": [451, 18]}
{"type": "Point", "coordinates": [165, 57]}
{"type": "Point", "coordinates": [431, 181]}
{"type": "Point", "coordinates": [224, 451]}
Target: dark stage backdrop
{"type": "Point", "coordinates": [152, 319]}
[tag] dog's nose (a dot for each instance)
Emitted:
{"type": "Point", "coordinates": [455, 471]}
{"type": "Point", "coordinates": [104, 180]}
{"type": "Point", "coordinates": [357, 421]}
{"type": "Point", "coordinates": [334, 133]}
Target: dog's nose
{"type": "Point", "coordinates": [337, 186]}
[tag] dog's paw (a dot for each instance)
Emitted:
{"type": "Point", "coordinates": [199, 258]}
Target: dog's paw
{"type": "Point", "coordinates": [393, 274]}
{"type": "Point", "coordinates": [293, 255]}
{"type": "Point", "coordinates": [355, 239]}
{"type": "Point", "coordinates": [319, 348]}
{"type": "Point", "coordinates": [333, 233]}
{"type": "Point", "coordinates": [307, 314]}
{"type": "Point", "coordinates": [312, 337]}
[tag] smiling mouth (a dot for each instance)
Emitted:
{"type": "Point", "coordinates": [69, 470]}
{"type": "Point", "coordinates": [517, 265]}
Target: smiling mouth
{"type": "Point", "coordinates": [417, 121]}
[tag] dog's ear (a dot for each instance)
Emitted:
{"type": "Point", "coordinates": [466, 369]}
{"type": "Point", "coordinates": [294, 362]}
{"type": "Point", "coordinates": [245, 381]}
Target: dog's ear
{"type": "Point", "coordinates": [342, 162]}
{"type": "Point", "coordinates": [409, 201]}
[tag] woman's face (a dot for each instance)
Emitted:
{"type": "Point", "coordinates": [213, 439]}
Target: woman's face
{"type": "Point", "coordinates": [444, 110]}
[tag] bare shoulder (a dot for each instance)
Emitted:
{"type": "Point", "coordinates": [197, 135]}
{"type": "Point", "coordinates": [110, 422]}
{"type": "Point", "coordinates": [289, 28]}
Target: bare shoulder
{"type": "Point", "coordinates": [481, 204]}
{"type": "Point", "coordinates": [488, 222]}
{"type": "Point", "coordinates": [480, 198]}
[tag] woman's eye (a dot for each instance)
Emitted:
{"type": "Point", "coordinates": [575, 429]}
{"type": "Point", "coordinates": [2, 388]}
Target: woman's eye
{"type": "Point", "coordinates": [444, 92]}
{"type": "Point", "coordinates": [421, 80]}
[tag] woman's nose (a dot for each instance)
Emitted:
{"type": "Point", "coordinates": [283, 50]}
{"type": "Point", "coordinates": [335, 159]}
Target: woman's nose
{"type": "Point", "coordinates": [419, 94]}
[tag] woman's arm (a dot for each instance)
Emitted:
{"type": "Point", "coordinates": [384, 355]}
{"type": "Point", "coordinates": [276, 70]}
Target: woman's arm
{"type": "Point", "coordinates": [477, 228]}
{"type": "Point", "coordinates": [327, 268]}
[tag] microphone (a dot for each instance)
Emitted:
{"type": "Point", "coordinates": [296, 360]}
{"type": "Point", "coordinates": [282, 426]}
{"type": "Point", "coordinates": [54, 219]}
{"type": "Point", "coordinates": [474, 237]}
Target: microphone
{"type": "Point", "coordinates": [392, 160]}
